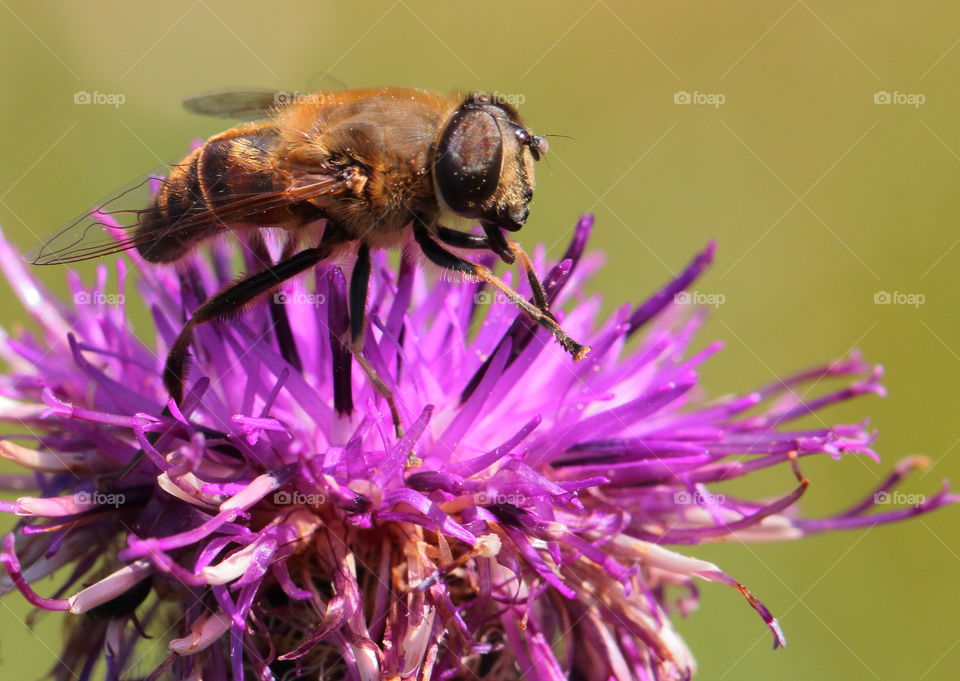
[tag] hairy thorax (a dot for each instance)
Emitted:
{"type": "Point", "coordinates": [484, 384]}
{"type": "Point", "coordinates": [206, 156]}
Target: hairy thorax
{"type": "Point", "coordinates": [386, 144]}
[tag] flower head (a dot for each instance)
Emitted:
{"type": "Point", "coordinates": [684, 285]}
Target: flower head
{"type": "Point", "coordinates": [520, 528]}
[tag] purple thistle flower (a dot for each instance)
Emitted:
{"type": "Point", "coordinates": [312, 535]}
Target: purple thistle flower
{"type": "Point", "coordinates": [519, 529]}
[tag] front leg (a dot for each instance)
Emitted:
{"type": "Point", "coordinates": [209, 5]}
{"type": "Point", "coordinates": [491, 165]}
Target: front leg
{"type": "Point", "coordinates": [509, 251]}
{"type": "Point", "coordinates": [493, 241]}
{"type": "Point", "coordinates": [438, 255]}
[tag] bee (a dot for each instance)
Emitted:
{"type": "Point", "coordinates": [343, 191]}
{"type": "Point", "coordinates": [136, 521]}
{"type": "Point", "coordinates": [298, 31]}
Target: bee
{"type": "Point", "coordinates": [341, 172]}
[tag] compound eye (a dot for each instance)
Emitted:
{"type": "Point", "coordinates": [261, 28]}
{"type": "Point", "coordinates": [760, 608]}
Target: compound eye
{"type": "Point", "coordinates": [469, 160]}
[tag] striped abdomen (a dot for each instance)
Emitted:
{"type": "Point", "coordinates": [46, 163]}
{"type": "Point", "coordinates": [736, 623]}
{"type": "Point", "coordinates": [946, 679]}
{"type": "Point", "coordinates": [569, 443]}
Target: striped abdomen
{"type": "Point", "coordinates": [200, 196]}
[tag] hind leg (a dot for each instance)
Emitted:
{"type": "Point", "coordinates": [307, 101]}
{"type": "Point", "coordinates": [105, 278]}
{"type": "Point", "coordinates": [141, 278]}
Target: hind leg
{"type": "Point", "coordinates": [229, 301]}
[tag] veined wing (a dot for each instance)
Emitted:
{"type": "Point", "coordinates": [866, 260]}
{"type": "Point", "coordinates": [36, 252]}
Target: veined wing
{"type": "Point", "coordinates": [244, 105]}
{"type": "Point", "coordinates": [114, 224]}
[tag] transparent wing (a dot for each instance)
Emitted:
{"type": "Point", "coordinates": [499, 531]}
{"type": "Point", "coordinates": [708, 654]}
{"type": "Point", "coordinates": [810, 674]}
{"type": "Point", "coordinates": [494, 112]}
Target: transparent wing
{"type": "Point", "coordinates": [105, 229]}
{"type": "Point", "coordinates": [246, 105]}
{"type": "Point", "coordinates": [113, 224]}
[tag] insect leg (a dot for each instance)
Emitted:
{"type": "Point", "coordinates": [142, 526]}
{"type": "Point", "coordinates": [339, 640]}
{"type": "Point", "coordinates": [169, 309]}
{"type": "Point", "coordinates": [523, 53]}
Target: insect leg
{"type": "Point", "coordinates": [229, 300]}
{"type": "Point", "coordinates": [539, 293]}
{"type": "Point", "coordinates": [458, 239]}
{"type": "Point", "coordinates": [509, 251]}
{"type": "Point", "coordinates": [281, 324]}
{"type": "Point", "coordinates": [444, 258]}
{"type": "Point", "coordinates": [280, 321]}
{"type": "Point", "coordinates": [493, 241]}
{"type": "Point", "coordinates": [498, 243]}
{"type": "Point", "coordinates": [359, 285]}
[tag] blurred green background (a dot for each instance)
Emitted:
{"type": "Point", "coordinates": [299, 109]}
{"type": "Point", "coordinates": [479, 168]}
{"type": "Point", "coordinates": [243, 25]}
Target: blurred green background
{"type": "Point", "coordinates": [819, 196]}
